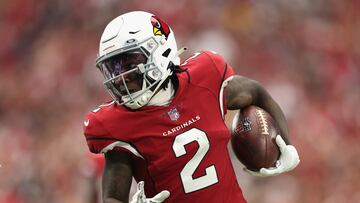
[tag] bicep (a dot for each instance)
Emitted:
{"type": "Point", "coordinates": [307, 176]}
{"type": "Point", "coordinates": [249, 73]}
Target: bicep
{"type": "Point", "coordinates": [241, 92]}
{"type": "Point", "coordinates": [117, 176]}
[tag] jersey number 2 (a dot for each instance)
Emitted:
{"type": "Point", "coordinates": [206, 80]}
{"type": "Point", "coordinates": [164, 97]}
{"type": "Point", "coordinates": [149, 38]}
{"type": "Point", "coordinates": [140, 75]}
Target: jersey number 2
{"type": "Point", "coordinates": [193, 184]}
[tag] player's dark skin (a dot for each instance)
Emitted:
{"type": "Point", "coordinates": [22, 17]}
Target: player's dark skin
{"type": "Point", "coordinates": [240, 92]}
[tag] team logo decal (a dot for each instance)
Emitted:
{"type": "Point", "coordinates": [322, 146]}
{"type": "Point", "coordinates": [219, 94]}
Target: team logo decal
{"type": "Point", "coordinates": [174, 114]}
{"type": "Point", "coordinates": [160, 27]}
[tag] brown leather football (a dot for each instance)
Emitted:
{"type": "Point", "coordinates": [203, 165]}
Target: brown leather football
{"type": "Point", "coordinates": [253, 138]}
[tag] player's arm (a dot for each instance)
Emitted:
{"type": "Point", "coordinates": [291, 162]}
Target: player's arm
{"type": "Point", "coordinates": [117, 177]}
{"type": "Point", "coordinates": [242, 92]}
{"type": "Point", "coordinates": [117, 180]}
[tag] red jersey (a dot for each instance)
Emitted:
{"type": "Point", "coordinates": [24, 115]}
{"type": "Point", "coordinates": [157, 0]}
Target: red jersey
{"type": "Point", "coordinates": [182, 147]}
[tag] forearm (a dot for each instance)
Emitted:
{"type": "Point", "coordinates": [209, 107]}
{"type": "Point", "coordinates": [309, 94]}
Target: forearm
{"type": "Point", "coordinates": [267, 103]}
{"type": "Point", "coordinates": [116, 185]}
{"type": "Point", "coordinates": [117, 177]}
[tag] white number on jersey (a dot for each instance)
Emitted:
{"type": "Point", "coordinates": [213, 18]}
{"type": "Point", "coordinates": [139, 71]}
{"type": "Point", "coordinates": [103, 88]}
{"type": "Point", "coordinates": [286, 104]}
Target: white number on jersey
{"type": "Point", "coordinates": [192, 184]}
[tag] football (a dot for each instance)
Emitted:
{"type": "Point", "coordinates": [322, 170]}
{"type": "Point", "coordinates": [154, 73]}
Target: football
{"type": "Point", "coordinates": [253, 133]}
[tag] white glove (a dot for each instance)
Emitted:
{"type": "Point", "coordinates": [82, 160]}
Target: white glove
{"type": "Point", "coordinates": [288, 160]}
{"type": "Point", "coordinates": [139, 196]}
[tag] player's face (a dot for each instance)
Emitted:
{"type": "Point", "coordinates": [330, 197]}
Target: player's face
{"type": "Point", "coordinates": [125, 64]}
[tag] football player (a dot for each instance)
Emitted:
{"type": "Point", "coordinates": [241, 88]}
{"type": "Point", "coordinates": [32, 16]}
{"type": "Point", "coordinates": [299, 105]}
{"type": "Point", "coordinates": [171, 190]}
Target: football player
{"type": "Point", "coordinates": [165, 126]}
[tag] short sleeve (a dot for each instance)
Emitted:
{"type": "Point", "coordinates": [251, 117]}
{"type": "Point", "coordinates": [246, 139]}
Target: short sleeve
{"type": "Point", "coordinates": [97, 137]}
{"type": "Point", "coordinates": [100, 140]}
{"type": "Point", "coordinates": [226, 73]}
{"type": "Point", "coordinates": [224, 69]}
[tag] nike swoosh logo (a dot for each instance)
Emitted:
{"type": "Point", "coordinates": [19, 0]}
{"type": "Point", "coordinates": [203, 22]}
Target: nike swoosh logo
{"type": "Point", "coordinates": [134, 32]}
{"type": "Point", "coordinates": [86, 123]}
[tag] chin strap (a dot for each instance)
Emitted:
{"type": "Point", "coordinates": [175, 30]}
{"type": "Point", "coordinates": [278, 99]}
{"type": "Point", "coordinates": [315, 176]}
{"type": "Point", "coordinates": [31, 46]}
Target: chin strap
{"type": "Point", "coordinates": [163, 97]}
{"type": "Point", "coordinates": [139, 101]}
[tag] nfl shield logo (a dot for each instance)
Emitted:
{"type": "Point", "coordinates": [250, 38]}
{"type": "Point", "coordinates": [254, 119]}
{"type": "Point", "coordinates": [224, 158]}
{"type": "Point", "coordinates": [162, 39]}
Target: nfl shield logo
{"type": "Point", "coordinates": [246, 124]}
{"type": "Point", "coordinates": [174, 114]}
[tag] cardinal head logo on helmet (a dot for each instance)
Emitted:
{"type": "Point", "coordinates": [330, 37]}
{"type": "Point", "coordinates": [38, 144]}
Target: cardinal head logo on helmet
{"type": "Point", "coordinates": [160, 27]}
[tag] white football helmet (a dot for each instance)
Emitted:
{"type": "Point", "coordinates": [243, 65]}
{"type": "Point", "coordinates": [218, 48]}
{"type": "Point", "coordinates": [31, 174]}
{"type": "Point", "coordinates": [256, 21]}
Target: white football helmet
{"type": "Point", "coordinates": [135, 51]}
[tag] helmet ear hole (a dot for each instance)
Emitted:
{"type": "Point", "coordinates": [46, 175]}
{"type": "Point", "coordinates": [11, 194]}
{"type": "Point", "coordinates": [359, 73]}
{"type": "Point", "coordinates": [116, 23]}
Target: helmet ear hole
{"type": "Point", "coordinates": [166, 53]}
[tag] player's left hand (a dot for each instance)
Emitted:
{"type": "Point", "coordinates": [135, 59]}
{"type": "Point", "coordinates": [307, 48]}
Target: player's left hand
{"type": "Point", "coordinates": [139, 196]}
{"type": "Point", "coordinates": [289, 159]}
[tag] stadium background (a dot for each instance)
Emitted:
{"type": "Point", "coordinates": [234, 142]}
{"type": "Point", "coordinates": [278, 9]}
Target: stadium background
{"type": "Point", "coordinates": [307, 53]}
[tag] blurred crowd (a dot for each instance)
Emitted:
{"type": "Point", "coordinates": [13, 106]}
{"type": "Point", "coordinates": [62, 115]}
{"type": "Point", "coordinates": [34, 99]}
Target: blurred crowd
{"type": "Point", "coordinates": [306, 53]}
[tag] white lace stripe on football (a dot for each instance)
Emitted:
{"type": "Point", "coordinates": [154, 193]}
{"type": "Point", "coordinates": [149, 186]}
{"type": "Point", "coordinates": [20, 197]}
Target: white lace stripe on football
{"type": "Point", "coordinates": [124, 145]}
{"type": "Point", "coordinates": [221, 96]}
